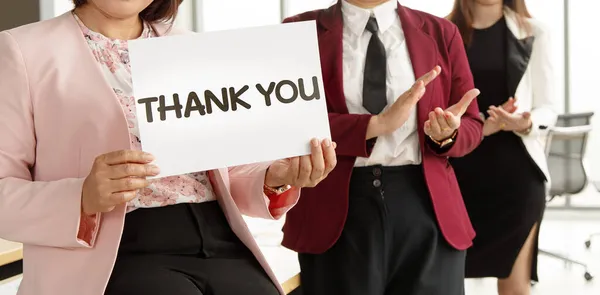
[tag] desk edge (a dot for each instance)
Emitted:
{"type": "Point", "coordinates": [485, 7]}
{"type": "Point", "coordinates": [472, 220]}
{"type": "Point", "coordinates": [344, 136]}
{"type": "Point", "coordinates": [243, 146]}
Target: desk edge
{"type": "Point", "coordinates": [291, 284]}
{"type": "Point", "coordinates": [11, 256]}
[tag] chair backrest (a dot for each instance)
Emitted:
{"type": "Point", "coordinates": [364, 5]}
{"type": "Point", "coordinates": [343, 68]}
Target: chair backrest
{"type": "Point", "coordinates": [565, 149]}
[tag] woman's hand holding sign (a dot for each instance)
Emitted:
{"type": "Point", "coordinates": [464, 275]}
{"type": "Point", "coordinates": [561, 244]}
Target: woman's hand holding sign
{"type": "Point", "coordinates": [115, 179]}
{"type": "Point", "coordinates": [304, 171]}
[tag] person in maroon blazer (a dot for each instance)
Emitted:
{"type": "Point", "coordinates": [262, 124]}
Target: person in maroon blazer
{"type": "Point", "coordinates": [390, 218]}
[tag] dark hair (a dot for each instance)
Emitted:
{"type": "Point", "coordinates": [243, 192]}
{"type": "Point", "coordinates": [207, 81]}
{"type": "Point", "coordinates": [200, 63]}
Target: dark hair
{"type": "Point", "coordinates": [462, 16]}
{"type": "Point", "coordinates": [157, 11]}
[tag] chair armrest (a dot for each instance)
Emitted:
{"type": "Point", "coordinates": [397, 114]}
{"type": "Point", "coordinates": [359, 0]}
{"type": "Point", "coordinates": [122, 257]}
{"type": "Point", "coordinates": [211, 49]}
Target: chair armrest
{"type": "Point", "coordinates": [568, 132]}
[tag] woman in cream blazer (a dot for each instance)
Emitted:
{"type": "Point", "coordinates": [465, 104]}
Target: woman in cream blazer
{"type": "Point", "coordinates": [504, 180]}
{"type": "Point", "coordinates": [72, 173]}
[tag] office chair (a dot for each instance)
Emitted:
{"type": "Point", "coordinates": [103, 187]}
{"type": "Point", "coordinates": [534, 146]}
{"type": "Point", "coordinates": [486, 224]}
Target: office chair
{"type": "Point", "coordinates": [588, 243]}
{"type": "Point", "coordinates": [565, 149]}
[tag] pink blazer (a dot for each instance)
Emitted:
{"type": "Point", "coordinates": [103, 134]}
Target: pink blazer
{"type": "Point", "coordinates": [57, 113]}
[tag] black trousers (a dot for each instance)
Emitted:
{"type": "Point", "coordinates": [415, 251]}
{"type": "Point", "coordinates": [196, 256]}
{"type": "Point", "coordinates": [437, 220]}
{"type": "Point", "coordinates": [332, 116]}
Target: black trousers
{"type": "Point", "coordinates": [390, 244]}
{"type": "Point", "coordinates": [185, 249]}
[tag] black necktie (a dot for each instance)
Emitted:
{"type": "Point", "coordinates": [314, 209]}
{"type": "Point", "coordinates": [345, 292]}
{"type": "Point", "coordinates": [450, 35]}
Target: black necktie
{"type": "Point", "coordinates": [374, 86]}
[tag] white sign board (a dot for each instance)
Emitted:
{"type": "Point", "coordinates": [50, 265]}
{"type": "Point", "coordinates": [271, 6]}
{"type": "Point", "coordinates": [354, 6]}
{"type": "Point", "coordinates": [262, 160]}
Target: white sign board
{"type": "Point", "coordinates": [222, 99]}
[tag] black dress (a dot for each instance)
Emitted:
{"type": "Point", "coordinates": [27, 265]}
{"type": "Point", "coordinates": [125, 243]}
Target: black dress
{"type": "Point", "coordinates": [503, 188]}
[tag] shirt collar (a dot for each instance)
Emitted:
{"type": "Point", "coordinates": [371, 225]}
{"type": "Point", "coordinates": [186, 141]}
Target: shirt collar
{"type": "Point", "coordinates": [356, 18]}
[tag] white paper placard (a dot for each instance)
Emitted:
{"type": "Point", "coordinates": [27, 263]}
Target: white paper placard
{"type": "Point", "coordinates": [206, 131]}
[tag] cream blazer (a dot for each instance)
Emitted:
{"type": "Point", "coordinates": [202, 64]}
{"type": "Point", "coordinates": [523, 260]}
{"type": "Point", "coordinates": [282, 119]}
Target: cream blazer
{"type": "Point", "coordinates": [532, 81]}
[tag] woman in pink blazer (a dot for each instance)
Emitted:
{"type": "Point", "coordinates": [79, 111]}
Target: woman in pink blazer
{"type": "Point", "coordinates": [73, 185]}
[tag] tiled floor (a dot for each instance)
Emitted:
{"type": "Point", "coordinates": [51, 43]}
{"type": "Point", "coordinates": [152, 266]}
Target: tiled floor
{"type": "Point", "coordinates": [563, 232]}
{"type": "Point", "coordinates": [9, 288]}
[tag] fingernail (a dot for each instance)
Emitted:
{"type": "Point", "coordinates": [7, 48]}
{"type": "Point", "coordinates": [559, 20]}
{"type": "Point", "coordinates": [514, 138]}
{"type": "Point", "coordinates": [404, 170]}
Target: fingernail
{"type": "Point", "coordinates": [148, 157]}
{"type": "Point", "coordinates": [327, 142]}
{"type": "Point", "coordinates": [315, 142]}
{"type": "Point", "coordinates": [334, 145]}
{"type": "Point", "coordinates": [154, 170]}
{"type": "Point", "coordinates": [130, 195]}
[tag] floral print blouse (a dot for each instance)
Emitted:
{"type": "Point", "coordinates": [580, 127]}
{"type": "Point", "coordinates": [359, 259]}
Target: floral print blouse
{"type": "Point", "coordinates": [113, 58]}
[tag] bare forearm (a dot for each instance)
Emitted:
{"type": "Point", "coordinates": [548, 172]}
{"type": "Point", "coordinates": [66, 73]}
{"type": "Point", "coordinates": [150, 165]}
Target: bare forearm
{"type": "Point", "coordinates": [376, 128]}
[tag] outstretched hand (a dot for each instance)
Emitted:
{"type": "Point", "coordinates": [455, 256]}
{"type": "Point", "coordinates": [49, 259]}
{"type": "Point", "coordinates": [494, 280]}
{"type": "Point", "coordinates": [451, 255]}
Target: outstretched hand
{"type": "Point", "coordinates": [443, 123]}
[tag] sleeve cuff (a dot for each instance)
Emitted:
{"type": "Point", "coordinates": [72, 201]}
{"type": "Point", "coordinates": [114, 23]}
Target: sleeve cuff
{"type": "Point", "coordinates": [88, 229]}
{"type": "Point", "coordinates": [536, 131]}
{"type": "Point", "coordinates": [279, 204]}
{"type": "Point", "coordinates": [442, 151]}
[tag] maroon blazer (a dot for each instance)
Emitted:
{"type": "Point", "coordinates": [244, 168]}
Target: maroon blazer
{"type": "Point", "coordinates": [316, 222]}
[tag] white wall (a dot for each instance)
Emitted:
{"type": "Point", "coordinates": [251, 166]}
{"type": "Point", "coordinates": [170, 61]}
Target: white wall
{"type": "Point", "coordinates": [294, 7]}
{"type": "Point", "coordinates": [61, 6]}
{"type": "Point", "coordinates": [185, 16]}
{"type": "Point", "coordinates": [585, 62]}
{"type": "Point", "coordinates": [231, 14]}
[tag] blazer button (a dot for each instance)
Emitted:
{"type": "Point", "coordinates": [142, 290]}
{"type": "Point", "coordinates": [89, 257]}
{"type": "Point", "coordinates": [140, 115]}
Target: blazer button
{"type": "Point", "coordinates": [377, 171]}
{"type": "Point", "coordinates": [377, 183]}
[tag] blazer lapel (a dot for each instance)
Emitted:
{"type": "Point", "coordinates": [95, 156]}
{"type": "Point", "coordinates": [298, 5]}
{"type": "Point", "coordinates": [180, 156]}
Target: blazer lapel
{"type": "Point", "coordinates": [330, 27]}
{"type": "Point", "coordinates": [519, 46]}
{"type": "Point", "coordinates": [423, 55]}
{"type": "Point", "coordinates": [106, 101]}
{"type": "Point", "coordinates": [518, 56]}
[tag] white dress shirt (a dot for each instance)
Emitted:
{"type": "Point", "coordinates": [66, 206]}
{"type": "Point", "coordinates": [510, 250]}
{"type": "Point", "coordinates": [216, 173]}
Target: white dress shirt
{"type": "Point", "coordinates": [402, 146]}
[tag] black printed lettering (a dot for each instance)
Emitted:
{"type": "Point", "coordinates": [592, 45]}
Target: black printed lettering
{"type": "Point", "coordinates": [210, 98]}
{"type": "Point", "coordinates": [266, 93]}
{"type": "Point", "coordinates": [316, 94]}
{"type": "Point", "coordinates": [294, 91]}
{"type": "Point", "coordinates": [194, 104]}
{"type": "Point", "coordinates": [148, 104]}
{"type": "Point", "coordinates": [235, 98]}
{"type": "Point", "coordinates": [231, 99]}
{"type": "Point", "coordinates": [164, 108]}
